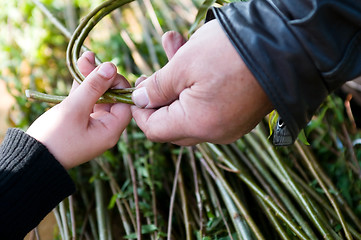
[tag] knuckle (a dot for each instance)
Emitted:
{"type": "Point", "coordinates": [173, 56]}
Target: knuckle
{"type": "Point", "coordinates": [158, 86]}
{"type": "Point", "coordinates": [151, 135]}
{"type": "Point", "coordinates": [94, 86]}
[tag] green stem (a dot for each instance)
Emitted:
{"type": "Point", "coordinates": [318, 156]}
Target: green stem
{"type": "Point", "coordinates": [76, 45]}
{"type": "Point", "coordinates": [228, 188]}
{"type": "Point", "coordinates": [272, 218]}
{"type": "Point", "coordinates": [337, 193]}
{"type": "Point", "coordinates": [264, 172]}
{"type": "Point", "coordinates": [116, 190]}
{"type": "Point", "coordinates": [172, 199]}
{"type": "Point", "coordinates": [321, 201]}
{"type": "Point", "coordinates": [265, 179]}
{"type": "Point", "coordinates": [58, 221]}
{"type": "Point", "coordinates": [64, 220]}
{"type": "Point", "coordinates": [303, 199]}
{"type": "Point", "coordinates": [323, 186]}
{"type": "Point", "coordinates": [109, 98]}
{"type": "Point", "coordinates": [136, 198]}
{"type": "Point", "coordinates": [71, 56]}
{"type": "Point", "coordinates": [257, 190]}
{"type": "Point", "coordinates": [184, 201]}
{"type": "Point", "coordinates": [241, 227]}
{"type": "Point", "coordinates": [206, 172]}
{"type": "Point", "coordinates": [100, 205]}
{"type": "Point", "coordinates": [196, 188]}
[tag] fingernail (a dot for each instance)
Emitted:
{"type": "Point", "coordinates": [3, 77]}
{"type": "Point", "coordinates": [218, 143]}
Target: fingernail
{"type": "Point", "coordinates": [140, 97]}
{"type": "Point", "coordinates": [107, 70]}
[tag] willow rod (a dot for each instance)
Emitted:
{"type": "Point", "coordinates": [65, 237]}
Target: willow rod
{"type": "Point", "coordinates": [323, 186]}
{"type": "Point", "coordinates": [73, 53]}
{"type": "Point", "coordinates": [259, 192]}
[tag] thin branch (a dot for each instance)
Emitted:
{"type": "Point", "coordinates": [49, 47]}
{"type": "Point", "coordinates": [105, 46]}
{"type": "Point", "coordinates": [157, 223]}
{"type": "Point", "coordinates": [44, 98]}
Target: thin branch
{"type": "Point", "coordinates": [322, 202]}
{"type": "Point", "coordinates": [63, 216]}
{"type": "Point", "coordinates": [257, 190]}
{"type": "Point", "coordinates": [351, 150]}
{"type": "Point", "coordinates": [174, 190]}
{"type": "Point", "coordinates": [280, 193]}
{"type": "Point", "coordinates": [184, 201]}
{"type": "Point", "coordinates": [153, 17]}
{"type": "Point", "coordinates": [205, 168]}
{"type": "Point", "coordinates": [59, 222]}
{"type": "Point", "coordinates": [58, 24]}
{"type": "Point", "coordinates": [323, 186]}
{"type": "Point", "coordinates": [116, 190]}
{"type": "Point", "coordinates": [53, 19]}
{"type": "Point", "coordinates": [196, 187]}
{"type": "Point", "coordinates": [301, 197]}
{"type": "Point", "coordinates": [72, 217]}
{"type": "Point", "coordinates": [226, 186]}
{"type": "Point", "coordinates": [273, 220]}
{"type": "Point", "coordinates": [136, 199]}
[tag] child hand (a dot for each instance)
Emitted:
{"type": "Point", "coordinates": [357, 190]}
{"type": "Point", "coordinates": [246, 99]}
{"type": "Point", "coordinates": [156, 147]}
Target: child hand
{"type": "Point", "coordinates": [77, 130]}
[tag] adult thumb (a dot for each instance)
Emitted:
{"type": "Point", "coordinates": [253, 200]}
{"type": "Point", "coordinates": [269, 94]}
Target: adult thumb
{"type": "Point", "coordinates": [161, 88]}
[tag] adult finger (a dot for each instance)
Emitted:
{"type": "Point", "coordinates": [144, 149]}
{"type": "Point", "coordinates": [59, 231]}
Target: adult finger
{"type": "Point", "coordinates": [139, 80]}
{"type": "Point", "coordinates": [160, 88]}
{"type": "Point", "coordinates": [165, 124]}
{"type": "Point", "coordinates": [171, 42]}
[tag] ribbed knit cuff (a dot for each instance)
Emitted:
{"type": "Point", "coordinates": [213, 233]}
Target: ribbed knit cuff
{"type": "Point", "coordinates": [32, 183]}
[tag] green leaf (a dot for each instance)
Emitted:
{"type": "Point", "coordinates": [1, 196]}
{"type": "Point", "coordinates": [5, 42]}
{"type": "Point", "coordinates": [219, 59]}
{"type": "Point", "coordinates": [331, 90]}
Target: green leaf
{"type": "Point", "coordinates": [202, 11]}
{"type": "Point", "coordinates": [234, 236]}
{"type": "Point", "coordinates": [338, 228]}
{"type": "Point", "coordinates": [113, 201]}
{"type": "Point", "coordinates": [146, 229]}
{"type": "Point", "coordinates": [302, 137]}
{"type": "Point", "coordinates": [272, 121]}
{"type": "Point", "coordinates": [317, 122]}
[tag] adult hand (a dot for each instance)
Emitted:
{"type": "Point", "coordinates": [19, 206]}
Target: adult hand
{"type": "Point", "coordinates": [204, 93]}
{"type": "Point", "coordinates": [77, 129]}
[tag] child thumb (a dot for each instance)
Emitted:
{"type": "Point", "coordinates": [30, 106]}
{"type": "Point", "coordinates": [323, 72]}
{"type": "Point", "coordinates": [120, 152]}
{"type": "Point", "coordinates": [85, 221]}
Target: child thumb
{"type": "Point", "coordinates": [93, 87]}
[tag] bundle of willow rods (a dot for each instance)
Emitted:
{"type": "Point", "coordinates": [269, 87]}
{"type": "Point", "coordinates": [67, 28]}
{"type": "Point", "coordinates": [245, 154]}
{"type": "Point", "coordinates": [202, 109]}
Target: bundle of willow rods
{"type": "Point", "coordinates": [73, 53]}
{"type": "Point", "coordinates": [286, 198]}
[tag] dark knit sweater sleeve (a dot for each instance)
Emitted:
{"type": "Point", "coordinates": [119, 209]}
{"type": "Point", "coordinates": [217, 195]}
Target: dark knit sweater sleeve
{"type": "Point", "coordinates": [32, 183]}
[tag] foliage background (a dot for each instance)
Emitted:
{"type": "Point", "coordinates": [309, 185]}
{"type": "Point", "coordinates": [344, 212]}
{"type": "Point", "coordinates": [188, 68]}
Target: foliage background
{"type": "Point", "coordinates": [216, 192]}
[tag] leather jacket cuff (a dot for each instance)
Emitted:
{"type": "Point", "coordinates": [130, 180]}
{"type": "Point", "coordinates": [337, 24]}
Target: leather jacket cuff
{"type": "Point", "coordinates": [276, 57]}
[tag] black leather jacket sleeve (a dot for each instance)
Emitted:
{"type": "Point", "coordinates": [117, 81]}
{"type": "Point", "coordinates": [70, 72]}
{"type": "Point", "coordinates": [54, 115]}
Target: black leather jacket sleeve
{"type": "Point", "coordinates": [299, 51]}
